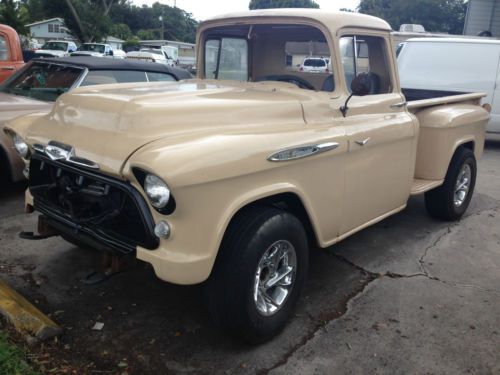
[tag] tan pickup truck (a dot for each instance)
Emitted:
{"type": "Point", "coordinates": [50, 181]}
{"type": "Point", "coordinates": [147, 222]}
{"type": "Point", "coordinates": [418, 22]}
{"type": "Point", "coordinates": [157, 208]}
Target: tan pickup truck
{"type": "Point", "coordinates": [230, 179]}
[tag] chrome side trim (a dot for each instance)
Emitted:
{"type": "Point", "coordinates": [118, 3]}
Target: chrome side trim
{"type": "Point", "coordinates": [302, 151]}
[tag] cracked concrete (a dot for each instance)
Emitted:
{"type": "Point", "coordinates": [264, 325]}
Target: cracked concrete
{"type": "Point", "coordinates": [408, 295]}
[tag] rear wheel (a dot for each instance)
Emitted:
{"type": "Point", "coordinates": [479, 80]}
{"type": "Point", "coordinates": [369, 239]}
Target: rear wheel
{"type": "Point", "coordinates": [450, 200]}
{"type": "Point", "coordinates": [259, 274]}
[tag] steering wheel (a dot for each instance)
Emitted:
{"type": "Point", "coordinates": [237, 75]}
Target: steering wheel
{"type": "Point", "coordinates": [300, 82]}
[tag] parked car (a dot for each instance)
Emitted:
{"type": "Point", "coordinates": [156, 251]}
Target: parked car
{"type": "Point", "coordinates": [36, 87]}
{"type": "Point", "coordinates": [314, 65]}
{"type": "Point", "coordinates": [155, 55]}
{"type": "Point", "coordinates": [457, 65]}
{"type": "Point", "coordinates": [11, 55]}
{"type": "Point", "coordinates": [56, 48]}
{"type": "Point", "coordinates": [94, 49]}
{"type": "Point", "coordinates": [228, 180]}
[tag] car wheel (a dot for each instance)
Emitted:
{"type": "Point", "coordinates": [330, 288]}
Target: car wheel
{"type": "Point", "coordinates": [260, 271]}
{"type": "Point", "coordinates": [450, 200]}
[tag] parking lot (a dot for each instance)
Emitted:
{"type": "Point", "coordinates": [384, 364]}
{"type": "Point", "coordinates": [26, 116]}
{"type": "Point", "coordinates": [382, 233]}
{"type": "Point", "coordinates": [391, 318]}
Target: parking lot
{"type": "Point", "coordinates": [408, 295]}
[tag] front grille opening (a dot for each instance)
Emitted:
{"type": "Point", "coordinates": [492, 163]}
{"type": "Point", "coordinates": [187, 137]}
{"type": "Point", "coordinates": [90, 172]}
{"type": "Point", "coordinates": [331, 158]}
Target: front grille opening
{"type": "Point", "coordinates": [108, 208]}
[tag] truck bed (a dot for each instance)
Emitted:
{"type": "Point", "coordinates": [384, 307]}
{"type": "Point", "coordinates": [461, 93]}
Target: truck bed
{"type": "Point", "coordinates": [419, 98]}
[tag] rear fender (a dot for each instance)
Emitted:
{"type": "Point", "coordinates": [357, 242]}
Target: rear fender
{"type": "Point", "coordinates": [442, 130]}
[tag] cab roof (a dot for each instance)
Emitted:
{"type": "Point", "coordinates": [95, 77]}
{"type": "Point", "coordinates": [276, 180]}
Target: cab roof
{"type": "Point", "coordinates": [332, 20]}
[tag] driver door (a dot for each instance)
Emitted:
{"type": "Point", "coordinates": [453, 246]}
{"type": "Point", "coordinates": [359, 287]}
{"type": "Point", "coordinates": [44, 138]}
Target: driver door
{"type": "Point", "coordinates": [380, 134]}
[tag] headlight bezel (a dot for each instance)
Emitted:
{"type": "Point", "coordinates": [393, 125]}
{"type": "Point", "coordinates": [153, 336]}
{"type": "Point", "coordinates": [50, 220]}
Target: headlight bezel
{"type": "Point", "coordinates": [141, 176]}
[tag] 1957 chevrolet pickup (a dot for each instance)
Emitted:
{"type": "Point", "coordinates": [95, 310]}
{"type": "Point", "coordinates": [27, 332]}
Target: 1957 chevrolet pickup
{"type": "Point", "coordinates": [229, 179]}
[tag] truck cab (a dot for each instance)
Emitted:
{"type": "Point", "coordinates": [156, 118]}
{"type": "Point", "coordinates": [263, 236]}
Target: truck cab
{"type": "Point", "coordinates": [11, 55]}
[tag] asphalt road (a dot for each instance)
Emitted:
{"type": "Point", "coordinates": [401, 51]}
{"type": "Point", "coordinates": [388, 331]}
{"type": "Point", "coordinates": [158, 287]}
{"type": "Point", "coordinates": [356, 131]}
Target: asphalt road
{"type": "Point", "coordinates": [410, 295]}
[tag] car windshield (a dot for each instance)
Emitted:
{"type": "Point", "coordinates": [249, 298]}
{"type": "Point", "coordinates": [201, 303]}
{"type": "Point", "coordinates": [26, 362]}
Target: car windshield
{"type": "Point", "coordinates": [316, 63]}
{"type": "Point", "coordinates": [42, 81]}
{"type": "Point", "coordinates": [55, 46]}
{"type": "Point", "coordinates": [92, 48]}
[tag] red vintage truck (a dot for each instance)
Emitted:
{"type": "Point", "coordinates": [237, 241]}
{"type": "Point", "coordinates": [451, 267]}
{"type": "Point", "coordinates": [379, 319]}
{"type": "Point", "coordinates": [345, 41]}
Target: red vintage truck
{"type": "Point", "coordinates": [11, 55]}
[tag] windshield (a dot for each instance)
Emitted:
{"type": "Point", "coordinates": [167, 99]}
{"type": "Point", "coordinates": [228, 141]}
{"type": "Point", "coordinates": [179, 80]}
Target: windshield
{"type": "Point", "coordinates": [92, 48]}
{"type": "Point", "coordinates": [315, 63]}
{"type": "Point", "coordinates": [55, 46]}
{"type": "Point", "coordinates": [226, 58]}
{"type": "Point", "coordinates": [42, 81]}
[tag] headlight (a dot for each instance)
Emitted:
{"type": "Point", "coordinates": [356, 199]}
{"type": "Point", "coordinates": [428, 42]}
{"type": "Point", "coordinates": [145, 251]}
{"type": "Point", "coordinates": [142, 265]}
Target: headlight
{"type": "Point", "coordinates": [21, 146]}
{"type": "Point", "coordinates": [157, 191]}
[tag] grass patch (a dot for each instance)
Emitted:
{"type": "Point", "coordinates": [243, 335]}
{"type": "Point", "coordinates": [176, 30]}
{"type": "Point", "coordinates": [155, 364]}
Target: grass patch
{"type": "Point", "coordinates": [13, 359]}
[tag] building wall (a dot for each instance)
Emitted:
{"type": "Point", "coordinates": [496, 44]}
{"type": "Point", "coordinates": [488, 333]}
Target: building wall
{"type": "Point", "coordinates": [483, 15]}
{"type": "Point", "coordinates": [42, 33]}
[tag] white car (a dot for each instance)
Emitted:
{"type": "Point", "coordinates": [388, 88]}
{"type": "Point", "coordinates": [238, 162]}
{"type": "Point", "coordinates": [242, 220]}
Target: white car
{"type": "Point", "coordinates": [314, 65]}
{"type": "Point", "coordinates": [56, 48]}
{"type": "Point", "coordinates": [94, 49]}
{"type": "Point", "coordinates": [149, 54]}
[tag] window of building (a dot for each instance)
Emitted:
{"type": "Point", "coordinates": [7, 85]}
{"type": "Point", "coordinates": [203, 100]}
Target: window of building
{"type": "Point", "coordinates": [54, 28]}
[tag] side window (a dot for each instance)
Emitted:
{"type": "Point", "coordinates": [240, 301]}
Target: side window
{"type": "Point", "coordinates": [160, 77]}
{"type": "Point", "coordinates": [211, 57]}
{"type": "Point", "coordinates": [101, 77]}
{"type": "Point", "coordinates": [226, 58]}
{"type": "Point", "coordinates": [4, 51]}
{"type": "Point", "coordinates": [366, 55]}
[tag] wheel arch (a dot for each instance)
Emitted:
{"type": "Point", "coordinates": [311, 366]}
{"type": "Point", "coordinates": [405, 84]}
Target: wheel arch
{"type": "Point", "coordinates": [289, 200]}
{"type": "Point", "coordinates": [5, 167]}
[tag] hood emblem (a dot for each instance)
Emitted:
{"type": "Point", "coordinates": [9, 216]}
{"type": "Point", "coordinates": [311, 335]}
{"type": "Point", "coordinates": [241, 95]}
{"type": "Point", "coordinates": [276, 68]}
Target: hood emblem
{"type": "Point", "coordinates": [57, 153]}
{"type": "Point", "coordinates": [60, 152]}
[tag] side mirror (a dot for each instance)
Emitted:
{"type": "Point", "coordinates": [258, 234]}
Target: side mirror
{"type": "Point", "coordinates": [361, 85]}
{"type": "Point", "coordinates": [110, 53]}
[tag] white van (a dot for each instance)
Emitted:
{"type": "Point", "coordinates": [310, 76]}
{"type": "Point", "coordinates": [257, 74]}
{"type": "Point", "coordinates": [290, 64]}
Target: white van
{"type": "Point", "coordinates": [453, 64]}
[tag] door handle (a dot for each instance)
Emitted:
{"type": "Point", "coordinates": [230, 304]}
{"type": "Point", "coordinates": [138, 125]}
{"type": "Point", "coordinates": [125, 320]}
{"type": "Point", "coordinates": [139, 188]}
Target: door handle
{"type": "Point", "coordinates": [398, 105]}
{"type": "Point", "coordinates": [363, 142]}
{"type": "Point", "coordinates": [7, 68]}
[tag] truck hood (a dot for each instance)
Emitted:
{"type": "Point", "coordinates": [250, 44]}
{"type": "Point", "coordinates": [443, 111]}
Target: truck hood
{"type": "Point", "coordinates": [87, 53]}
{"type": "Point", "coordinates": [55, 53]}
{"type": "Point", "coordinates": [12, 106]}
{"type": "Point", "coordinates": [107, 124]}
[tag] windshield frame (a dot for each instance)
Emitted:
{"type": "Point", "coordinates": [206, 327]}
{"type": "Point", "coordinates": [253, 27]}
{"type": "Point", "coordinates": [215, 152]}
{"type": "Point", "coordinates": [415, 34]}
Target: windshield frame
{"type": "Point", "coordinates": [78, 81]}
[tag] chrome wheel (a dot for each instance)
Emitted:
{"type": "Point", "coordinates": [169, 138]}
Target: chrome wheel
{"type": "Point", "coordinates": [275, 277]}
{"type": "Point", "coordinates": [462, 185]}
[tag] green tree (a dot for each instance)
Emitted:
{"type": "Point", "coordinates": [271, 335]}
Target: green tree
{"type": "Point", "coordinates": [266, 4]}
{"type": "Point", "coordinates": [14, 14]}
{"type": "Point", "coordinates": [147, 34]}
{"type": "Point", "coordinates": [121, 30]}
{"type": "Point", "coordinates": [435, 15]}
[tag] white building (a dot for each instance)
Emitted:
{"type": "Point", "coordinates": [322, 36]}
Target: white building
{"type": "Point", "coordinates": [49, 29]}
{"type": "Point", "coordinates": [483, 15]}
{"type": "Point", "coordinates": [115, 43]}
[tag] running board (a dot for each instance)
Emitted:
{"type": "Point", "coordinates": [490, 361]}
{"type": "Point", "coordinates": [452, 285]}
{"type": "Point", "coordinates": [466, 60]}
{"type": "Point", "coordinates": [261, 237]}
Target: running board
{"type": "Point", "coordinates": [421, 186]}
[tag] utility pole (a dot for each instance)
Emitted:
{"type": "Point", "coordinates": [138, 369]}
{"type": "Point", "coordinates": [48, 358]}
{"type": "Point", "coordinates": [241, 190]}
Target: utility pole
{"type": "Point", "coordinates": [162, 36]}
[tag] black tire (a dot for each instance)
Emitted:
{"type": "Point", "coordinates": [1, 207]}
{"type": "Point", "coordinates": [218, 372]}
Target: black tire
{"type": "Point", "coordinates": [440, 201]}
{"type": "Point", "coordinates": [229, 292]}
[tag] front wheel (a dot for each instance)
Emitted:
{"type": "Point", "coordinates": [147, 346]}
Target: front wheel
{"type": "Point", "coordinates": [259, 273]}
{"type": "Point", "coordinates": [450, 200]}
